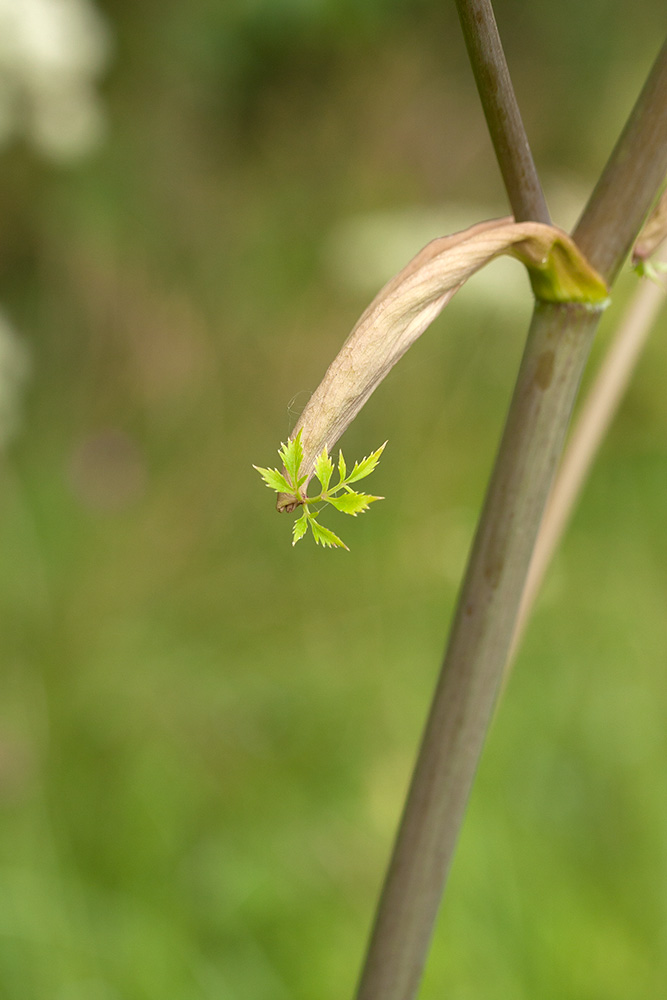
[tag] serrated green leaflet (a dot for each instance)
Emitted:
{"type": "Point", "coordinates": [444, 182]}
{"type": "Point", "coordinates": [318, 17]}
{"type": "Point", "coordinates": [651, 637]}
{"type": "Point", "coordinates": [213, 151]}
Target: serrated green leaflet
{"type": "Point", "coordinates": [353, 503]}
{"type": "Point", "coordinates": [366, 466]}
{"type": "Point", "coordinates": [342, 468]}
{"type": "Point", "coordinates": [291, 455]}
{"type": "Point", "coordinates": [324, 470]}
{"type": "Point", "coordinates": [274, 479]}
{"type": "Point", "coordinates": [300, 527]}
{"type": "Point", "coordinates": [325, 537]}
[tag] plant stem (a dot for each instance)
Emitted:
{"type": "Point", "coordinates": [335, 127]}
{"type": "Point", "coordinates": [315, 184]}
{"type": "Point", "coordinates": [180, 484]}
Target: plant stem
{"type": "Point", "coordinates": [597, 413]}
{"type": "Point", "coordinates": [629, 182]}
{"type": "Point", "coordinates": [558, 344]}
{"type": "Point", "coordinates": [557, 347]}
{"type": "Point", "coordinates": [501, 110]}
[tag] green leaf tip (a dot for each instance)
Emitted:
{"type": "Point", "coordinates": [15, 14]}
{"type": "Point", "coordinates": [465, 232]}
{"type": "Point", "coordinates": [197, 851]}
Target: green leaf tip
{"type": "Point", "coordinates": [288, 485]}
{"type": "Point", "coordinates": [291, 455]}
{"type": "Point", "coordinates": [366, 466]}
{"type": "Point", "coordinates": [342, 468]}
{"type": "Point", "coordinates": [353, 503]}
{"type": "Point", "coordinates": [299, 528]}
{"type": "Point", "coordinates": [324, 469]}
{"type": "Point", "coordinates": [324, 537]}
{"type": "Point", "coordinates": [274, 479]}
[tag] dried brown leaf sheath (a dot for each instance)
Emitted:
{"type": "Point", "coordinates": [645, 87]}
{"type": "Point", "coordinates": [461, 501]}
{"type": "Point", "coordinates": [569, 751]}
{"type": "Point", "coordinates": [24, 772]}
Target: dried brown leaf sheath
{"type": "Point", "coordinates": [410, 302]}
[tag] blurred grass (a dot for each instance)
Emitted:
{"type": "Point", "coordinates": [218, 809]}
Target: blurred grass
{"type": "Point", "coordinates": [205, 735]}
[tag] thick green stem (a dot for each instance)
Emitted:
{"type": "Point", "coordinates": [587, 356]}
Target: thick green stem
{"type": "Point", "coordinates": [502, 111]}
{"type": "Point", "coordinates": [556, 351]}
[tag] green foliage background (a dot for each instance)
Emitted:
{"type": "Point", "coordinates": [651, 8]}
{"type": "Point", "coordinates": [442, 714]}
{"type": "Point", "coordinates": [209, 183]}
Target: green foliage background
{"type": "Point", "coordinates": [205, 734]}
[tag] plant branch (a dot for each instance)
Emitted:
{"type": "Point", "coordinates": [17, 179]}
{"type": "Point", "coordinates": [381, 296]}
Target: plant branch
{"type": "Point", "coordinates": [597, 413]}
{"type": "Point", "coordinates": [629, 183]}
{"type": "Point", "coordinates": [501, 110]}
{"type": "Point", "coordinates": [556, 351]}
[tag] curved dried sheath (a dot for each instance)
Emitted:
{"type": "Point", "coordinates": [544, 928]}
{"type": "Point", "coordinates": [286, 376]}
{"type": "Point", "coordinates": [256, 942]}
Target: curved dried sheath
{"type": "Point", "coordinates": [409, 303]}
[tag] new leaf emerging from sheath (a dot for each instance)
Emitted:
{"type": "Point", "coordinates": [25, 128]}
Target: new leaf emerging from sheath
{"type": "Point", "coordinates": [410, 301]}
{"type": "Point", "coordinates": [398, 315]}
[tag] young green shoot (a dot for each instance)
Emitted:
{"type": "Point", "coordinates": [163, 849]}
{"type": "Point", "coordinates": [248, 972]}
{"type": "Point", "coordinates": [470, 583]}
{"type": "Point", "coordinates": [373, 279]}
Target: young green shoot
{"type": "Point", "coordinates": [291, 487]}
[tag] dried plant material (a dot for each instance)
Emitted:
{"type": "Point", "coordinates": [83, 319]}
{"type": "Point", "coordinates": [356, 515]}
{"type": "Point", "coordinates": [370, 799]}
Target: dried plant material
{"type": "Point", "coordinates": [409, 303]}
{"type": "Point", "coordinates": [653, 234]}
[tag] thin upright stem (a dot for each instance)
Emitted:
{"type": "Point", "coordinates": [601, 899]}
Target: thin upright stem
{"type": "Point", "coordinates": [636, 168]}
{"type": "Point", "coordinates": [501, 110]}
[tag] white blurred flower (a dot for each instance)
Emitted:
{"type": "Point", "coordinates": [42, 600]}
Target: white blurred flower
{"type": "Point", "coordinates": [14, 368]}
{"type": "Point", "coordinates": [51, 54]}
